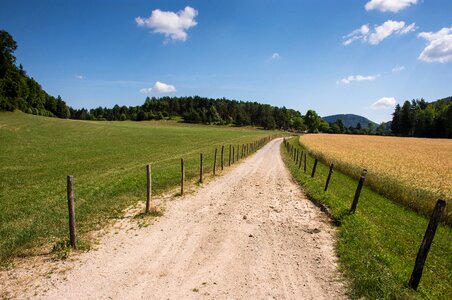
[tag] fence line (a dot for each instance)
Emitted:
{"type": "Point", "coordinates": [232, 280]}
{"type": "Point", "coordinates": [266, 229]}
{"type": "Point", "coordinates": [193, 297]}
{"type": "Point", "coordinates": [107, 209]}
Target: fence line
{"type": "Point", "coordinates": [246, 150]}
{"type": "Point", "coordinates": [429, 233]}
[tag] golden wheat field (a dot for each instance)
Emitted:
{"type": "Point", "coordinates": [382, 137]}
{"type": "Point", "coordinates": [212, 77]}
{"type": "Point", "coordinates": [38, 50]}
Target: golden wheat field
{"type": "Point", "coordinates": [415, 171]}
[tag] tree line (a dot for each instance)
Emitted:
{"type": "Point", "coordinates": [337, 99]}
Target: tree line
{"type": "Point", "coordinates": [417, 118]}
{"type": "Point", "coordinates": [19, 91]}
{"type": "Point", "coordinates": [200, 110]}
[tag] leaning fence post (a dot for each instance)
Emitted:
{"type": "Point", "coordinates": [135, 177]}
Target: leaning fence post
{"type": "Point", "coordinates": [182, 176]}
{"type": "Point", "coordinates": [148, 187]}
{"type": "Point", "coordinates": [314, 167]}
{"type": "Point", "coordinates": [426, 243]}
{"type": "Point", "coordinates": [70, 204]}
{"type": "Point", "coordinates": [329, 177]}
{"type": "Point", "coordinates": [358, 190]}
{"type": "Point", "coordinates": [222, 158]}
{"type": "Point", "coordinates": [200, 168]}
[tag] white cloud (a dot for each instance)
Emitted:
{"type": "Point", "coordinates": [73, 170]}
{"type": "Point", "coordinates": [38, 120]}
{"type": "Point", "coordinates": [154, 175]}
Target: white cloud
{"type": "Point", "coordinates": [378, 33]}
{"type": "Point", "coordinates": [439, 48]}
{"type": "Point", "coordinates": [398, 69]}
{"type": "Point", "coordinates": [172, 25]}
{"type": "Point", "coordinates": [159, 87]}
{"type": "Point", "coordinates": [146, 90]}
{"type": "Point", "coordinates": [79, 77]}
{"type": "Point", "coordinates": [385, 102]}
{"type": "Point", "coordinates": [351, 78]}
{"type": "Point", "coordinates": [357, 34]}
{"type": "Point", "coordinates": [275, 56]}
{"type": "Point", "coordinates": [389, 5]}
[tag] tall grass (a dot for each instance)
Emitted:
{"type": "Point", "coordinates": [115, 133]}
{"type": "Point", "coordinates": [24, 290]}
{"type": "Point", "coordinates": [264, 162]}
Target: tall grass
{"type": "Point", "coordinates": [377, 245]}
{"type": "Point", "coordinates": [107, 160]}
{"type": "Point", "coordinates": [412, 171]}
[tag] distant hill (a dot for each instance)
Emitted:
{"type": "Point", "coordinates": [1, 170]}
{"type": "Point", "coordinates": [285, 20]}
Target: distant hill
{"type": "Point", "coordinates": [350, 120]}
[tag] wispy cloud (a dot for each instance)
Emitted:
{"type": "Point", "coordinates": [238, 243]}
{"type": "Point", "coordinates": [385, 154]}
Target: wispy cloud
{"type": "Point", "coordinates": [159, 87]}
{"type": "Point", "coordinates": [439, 47]}
{"type": "Point", "coordinates": [79, 77]}
{"type": "Point", "coordinates": [378, 33]}
{"type": "Point", "coordinates": [398, 69]}
{"type": "Point", "coordinates": [275, 56]}
{"type": "Point", "coordinates": [173, 25]}
{"type": "Point", "coordinates": [351, 78]}
{"type": "Point", "coordinates": [389, 5]}
{"type": "Point", "coordinates": [385, 102]}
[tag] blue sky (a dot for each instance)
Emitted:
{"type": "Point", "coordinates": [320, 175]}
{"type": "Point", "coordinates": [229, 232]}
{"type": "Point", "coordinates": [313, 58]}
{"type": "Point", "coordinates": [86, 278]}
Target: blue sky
{"type": "Point", "coordinates": [330, 56]}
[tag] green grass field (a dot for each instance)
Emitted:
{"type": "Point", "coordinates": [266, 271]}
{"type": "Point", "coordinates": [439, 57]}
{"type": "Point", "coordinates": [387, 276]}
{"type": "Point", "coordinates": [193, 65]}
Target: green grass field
{"type": "Point", "coordinates": [377, 245]}
{"type": "Point", "coordinates": [107, 160]}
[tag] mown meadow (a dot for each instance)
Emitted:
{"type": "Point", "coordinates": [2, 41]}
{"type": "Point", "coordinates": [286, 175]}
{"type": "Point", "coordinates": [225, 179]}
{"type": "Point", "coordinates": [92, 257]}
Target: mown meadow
{"type": "Point", "coordinates": [107, 160]}
{"type": "Point", "coordinates": [413, 171]}
{"type": "Point", "coordinates": [378, 244]}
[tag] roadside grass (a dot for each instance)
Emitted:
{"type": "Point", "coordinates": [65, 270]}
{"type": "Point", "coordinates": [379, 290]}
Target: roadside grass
{"type": "Point", "coordinates": [377, 245]}
{"type": "Point", "coordinates": [107, 160]}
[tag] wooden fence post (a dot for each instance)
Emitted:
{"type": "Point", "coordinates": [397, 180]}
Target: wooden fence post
{"type": "Point", "coordinates": [305, 161]}
{"type": "Point", "coordinates": [329, 177]}
{"type": "Point", "coordinates": [358, 191]}
{"type": "Point", "coordinates": [182, 176]}
{"type": "Point", "coordinates": [233, 154]}
{"type": "Point", "coordinates": [426, 243]}
{"type": "Point", "coordinates": [215, 163]}
{"type": "Point", "coordinates": [222, 158]}
{"type": "Point", "coordinates": [301, 159]}
{"type": "Point", "coordinates": [238, 149]}
{"type": "Point", "coordinates": [200, 168]}
{"type": "Point", "coordinates": [71, 208]}
{"type": "Point", "coordinates": [148, 187]}
{"type": "Point", "coordinates": [314, 167]}
{"type": "Point", "coordinates": [230, 146]}
{"type": "Point", "coordinates": [298, 154]}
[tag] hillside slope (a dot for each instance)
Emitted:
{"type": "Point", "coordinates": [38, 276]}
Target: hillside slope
{"type": "Point", "coordinates": [350, 120]}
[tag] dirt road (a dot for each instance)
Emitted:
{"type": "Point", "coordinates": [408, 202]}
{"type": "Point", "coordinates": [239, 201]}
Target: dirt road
{"type": "Point", "coordinates": [250, 234]}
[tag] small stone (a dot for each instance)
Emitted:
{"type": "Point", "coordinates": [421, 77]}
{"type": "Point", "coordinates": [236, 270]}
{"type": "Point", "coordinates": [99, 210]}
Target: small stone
{"type": "Point", "coordinates": [245, 217]}
{"type": "Point", "coordinates": [251, 235]}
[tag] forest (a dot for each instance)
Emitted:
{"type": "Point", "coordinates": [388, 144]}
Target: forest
{"type": "Point", "coordinates": [200, 110]}
{"type": "Point", "coordinates": [421, 119]}
{"type": "Point", "coordinates": [19, 91]}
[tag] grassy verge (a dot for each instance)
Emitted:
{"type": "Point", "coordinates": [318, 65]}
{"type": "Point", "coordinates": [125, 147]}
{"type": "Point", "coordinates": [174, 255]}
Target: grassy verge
{"type": "Point", "coordinates": [107, 160]}
{"type": "Point", "coordinates": [377, 245]}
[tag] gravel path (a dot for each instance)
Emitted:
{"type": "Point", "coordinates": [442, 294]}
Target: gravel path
{"type": "Point", "coordinates": [249, 234]}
